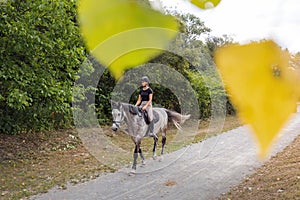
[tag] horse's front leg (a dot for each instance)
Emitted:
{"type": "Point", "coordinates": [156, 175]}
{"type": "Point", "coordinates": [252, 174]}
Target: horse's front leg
{"type": "Point", "coordinates": [135, 156]}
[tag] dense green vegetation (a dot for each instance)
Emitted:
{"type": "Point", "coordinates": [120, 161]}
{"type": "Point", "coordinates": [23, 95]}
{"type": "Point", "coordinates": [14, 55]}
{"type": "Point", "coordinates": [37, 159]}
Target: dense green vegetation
{"type": "Point", "coordinates": [42, 51]}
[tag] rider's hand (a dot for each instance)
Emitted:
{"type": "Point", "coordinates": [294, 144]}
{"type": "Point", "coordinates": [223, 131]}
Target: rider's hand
{"type": "Point", "coordinates": [144, 107]}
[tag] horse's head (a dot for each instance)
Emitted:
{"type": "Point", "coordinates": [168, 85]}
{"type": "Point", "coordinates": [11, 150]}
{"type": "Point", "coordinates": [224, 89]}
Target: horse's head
{"type": "Point", "coordinates": [117, 114]}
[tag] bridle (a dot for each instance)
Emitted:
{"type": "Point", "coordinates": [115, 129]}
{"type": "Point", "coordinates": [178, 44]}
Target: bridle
{"type": "Point", "coordinates": [118, 122]}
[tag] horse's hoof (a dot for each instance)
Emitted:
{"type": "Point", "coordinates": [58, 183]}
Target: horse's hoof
{"type": "Point", "coordinates": [161, 158]}
{"type": "Point", "coordinates": [132, 172]}
{"type": "Point", "coordinates": [143, 163]}
{"type": "Point", "coordinates": [154, 157]}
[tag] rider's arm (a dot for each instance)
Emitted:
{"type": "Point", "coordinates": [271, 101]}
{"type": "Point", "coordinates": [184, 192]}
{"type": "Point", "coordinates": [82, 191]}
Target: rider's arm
{"type": "Point", "coordinates": [138, 102]}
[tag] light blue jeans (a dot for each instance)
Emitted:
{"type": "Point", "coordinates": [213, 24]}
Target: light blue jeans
{"type": "Point", "coordinates": [149, 110]}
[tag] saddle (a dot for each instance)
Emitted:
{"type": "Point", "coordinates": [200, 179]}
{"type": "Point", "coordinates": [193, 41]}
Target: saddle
{"type": "Point", "coordinates": [135, 110]}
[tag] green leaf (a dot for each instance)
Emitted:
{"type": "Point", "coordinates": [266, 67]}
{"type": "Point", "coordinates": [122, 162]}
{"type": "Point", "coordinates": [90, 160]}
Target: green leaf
{"type": "Point", "coordinates": [124, 34]}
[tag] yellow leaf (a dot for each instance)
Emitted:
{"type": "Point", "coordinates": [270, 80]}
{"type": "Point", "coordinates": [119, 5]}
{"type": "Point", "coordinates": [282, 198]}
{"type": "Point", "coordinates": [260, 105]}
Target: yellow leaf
{"type": "Point", "coordinates": [123, 34]}
{"type": "Point", "coordinates": [261, 86]}
{"type": "Point", "coordinates": [206, 4]}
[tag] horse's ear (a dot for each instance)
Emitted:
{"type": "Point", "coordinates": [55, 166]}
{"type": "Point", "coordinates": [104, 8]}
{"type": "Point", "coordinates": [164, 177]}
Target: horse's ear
{"type": "Point", "coordinates": [115, 104]}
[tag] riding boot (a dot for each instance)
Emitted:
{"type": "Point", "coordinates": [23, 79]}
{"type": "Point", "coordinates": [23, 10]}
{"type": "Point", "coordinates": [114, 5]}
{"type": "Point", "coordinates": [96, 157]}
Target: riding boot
{"type": "Point", "coordinates": [151, 130]}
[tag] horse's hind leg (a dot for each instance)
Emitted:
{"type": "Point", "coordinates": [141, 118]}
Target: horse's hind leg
{"type": "Point", "coordinates": [154, 148]}
{"type": "Point", "coordinates": [163, 141]}
{"type": "Point", "coordinates": [142, 156]}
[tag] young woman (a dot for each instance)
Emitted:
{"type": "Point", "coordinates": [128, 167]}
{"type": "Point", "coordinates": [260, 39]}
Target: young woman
{"type": "Point", "coordinates": [145, 102]}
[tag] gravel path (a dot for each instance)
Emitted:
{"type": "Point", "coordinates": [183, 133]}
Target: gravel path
{"type": "Point", "coordinates": [199, 171]}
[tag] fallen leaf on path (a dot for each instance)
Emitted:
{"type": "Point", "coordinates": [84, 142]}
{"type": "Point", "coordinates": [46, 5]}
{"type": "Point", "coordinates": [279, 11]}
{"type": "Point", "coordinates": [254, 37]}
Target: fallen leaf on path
{"type": "Point", "coordinates": [170, 183]}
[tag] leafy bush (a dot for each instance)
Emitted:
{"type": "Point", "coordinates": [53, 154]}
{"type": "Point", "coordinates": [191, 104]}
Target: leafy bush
{"type": "Point", "coordinates": [41, 50]}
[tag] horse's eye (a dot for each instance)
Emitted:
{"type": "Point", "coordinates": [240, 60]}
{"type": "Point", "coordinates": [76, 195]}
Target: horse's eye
{"type": "Point", "coordinates": [119, 114]}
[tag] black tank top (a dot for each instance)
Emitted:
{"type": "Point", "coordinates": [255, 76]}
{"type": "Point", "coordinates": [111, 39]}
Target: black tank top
{"type": "Point", "coordinates": [145, 94]}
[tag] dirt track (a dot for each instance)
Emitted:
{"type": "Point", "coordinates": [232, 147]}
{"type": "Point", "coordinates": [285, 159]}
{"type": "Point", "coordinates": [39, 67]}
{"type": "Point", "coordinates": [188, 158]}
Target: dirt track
{"type": "Point", "coordinates": [199, 171]}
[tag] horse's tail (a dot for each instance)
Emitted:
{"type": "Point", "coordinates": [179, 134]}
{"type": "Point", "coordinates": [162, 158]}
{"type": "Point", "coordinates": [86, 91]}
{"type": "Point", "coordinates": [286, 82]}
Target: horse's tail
{"type": "Point", "coordinates": [177, 118]}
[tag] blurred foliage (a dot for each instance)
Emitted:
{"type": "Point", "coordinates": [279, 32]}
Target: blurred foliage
{"type": "Point", "coordinates": [206, 4]}
{"type": "Point", "coordinates": [124, 34]}
{"type": "Point", "coordinates": [265, 90]}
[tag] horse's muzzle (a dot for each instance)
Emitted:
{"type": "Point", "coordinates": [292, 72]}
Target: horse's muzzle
{"type": "Point", "coordinates": [114, 127]}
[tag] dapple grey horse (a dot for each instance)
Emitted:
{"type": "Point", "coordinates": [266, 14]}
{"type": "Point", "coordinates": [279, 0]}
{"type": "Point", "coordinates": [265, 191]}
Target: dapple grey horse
{"type": "Point", "coordinates": [137, 127]}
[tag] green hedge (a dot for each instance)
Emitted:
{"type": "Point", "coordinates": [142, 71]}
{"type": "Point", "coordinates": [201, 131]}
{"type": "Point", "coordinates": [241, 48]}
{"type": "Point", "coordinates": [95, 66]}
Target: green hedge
{"type": "Point", "coordinates": [41, 51]}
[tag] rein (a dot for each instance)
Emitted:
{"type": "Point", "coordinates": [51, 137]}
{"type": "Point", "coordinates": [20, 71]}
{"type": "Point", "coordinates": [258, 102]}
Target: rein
{"type": "Point", "coordinates": [117, 123]}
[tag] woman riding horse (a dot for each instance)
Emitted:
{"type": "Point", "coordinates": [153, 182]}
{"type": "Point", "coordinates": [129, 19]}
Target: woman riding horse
{"type": "Point", "coordinates": [145, 102]}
